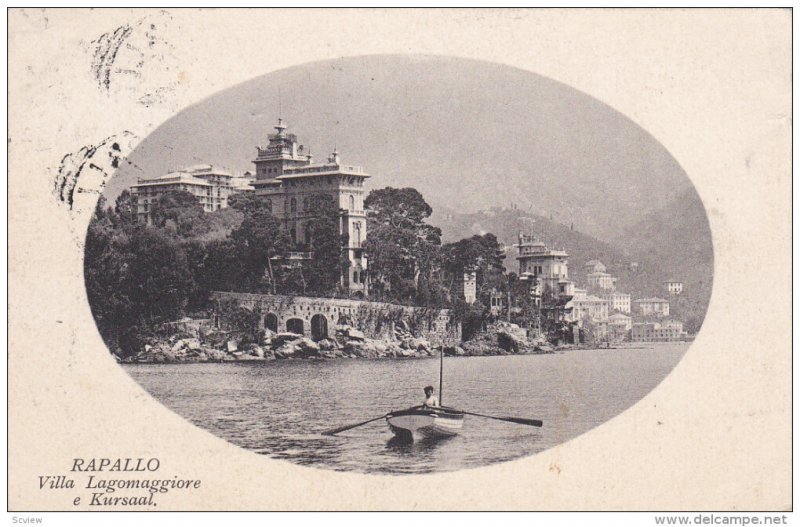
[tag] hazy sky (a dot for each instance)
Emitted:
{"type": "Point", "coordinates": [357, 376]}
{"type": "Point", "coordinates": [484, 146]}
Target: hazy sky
{"type": "Point", "coordinates": [467, 134]}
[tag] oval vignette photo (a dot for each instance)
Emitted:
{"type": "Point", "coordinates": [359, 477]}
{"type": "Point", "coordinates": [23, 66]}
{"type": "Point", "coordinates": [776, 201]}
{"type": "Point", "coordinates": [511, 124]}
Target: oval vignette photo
{"type": "Point", "coordinates": [399, 264]}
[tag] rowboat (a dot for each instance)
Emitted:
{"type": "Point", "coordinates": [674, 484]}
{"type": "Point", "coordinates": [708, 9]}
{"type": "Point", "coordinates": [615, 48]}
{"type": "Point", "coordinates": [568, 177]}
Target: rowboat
{"type": "Point", "coordinates": [419, 423]}
{"type": "Point", "coordinates": [428, 422]}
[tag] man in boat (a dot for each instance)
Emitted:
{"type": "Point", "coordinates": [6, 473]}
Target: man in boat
{"type": "Point", "coordinates": [430, 399]}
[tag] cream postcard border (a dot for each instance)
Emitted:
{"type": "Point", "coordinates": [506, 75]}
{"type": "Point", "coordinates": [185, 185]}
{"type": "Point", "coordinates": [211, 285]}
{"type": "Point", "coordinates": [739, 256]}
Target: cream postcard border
{"type": "Point", "coordinates": [713, 86]}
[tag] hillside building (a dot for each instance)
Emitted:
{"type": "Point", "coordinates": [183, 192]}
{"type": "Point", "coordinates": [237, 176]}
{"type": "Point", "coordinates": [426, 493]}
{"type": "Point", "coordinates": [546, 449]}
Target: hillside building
{"type": "Point", "coordinates": [547, 274]}
{"type": "Point", "coordinates": [587, 307]}
{"type": "Point", "coordinates": [623, 322]}
{"type": "Point", "coordinates": [597, 278]}
{"type": "Point", "coordinates": [647, 307]}
{"type": "Point", "coordinates": [671, 331]}
{"type": "Point", "coordinates": [546, 267]}
{"type": "Point", "coordinates": [619, 302]}
{"type": "Point", "coordinates": [673, 287]}
{"type": "Point", "coordinates": [601, 281]}
{"type": "Point", "coordinates": [286, 177]}
{"type": "Point", "coordinates": [210, 185]}
{"type": "Point", "coordinates": [619, 326]}
{"type": "Point", "coordinates": [594, 266]}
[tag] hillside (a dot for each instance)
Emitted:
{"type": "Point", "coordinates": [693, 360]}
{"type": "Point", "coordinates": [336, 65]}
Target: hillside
{"type": "Point", "coordinates": [676, 240]}
{"type": "Point", "coordinates": [467, 134]}
{"type": "Point", "coordinates": [657, 245]}
{"type": "Point", "coordinates": [506, 224]}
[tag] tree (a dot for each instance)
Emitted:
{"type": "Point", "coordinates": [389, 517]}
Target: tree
{"type": "Point", "coordinates": [182, 212]}
{"type": "Point", "coordinates": [257, 240]}
{"type": "Point", "coordinates": [481, 253]}
{"type": "Point", "coordinates": [103, 265]}
{"type": "Point", "coordinates": [125, 209]}
{"type": "Point", "coordinates": [156, 281]}
{"type": "Point", "coordinates": [136, 278]}
{"type": "Point", "coordinates": [325, 242]}
{"type": "Point", "coordinates": [403, 249]}
{"type": "Point", "coordinates": [472, 317]}
{"type": "Point", "coordinates": [245, 202]}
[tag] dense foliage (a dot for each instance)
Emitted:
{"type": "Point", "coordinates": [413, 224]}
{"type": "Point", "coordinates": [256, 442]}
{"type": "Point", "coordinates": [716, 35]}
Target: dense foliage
{"type": "Point", "coordinates": [140, 276]}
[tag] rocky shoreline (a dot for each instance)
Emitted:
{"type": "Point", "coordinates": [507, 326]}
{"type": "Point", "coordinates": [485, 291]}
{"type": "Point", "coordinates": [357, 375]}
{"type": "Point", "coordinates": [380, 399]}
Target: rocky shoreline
{"type": "Point", "coordinates": [347, 343]}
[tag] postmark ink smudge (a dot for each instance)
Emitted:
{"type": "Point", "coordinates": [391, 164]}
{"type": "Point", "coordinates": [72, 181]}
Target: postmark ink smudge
{"type": "Point", "coordinates": [136, 61]}
{"type": "Point", "coordinates": [107, 47]}
{"type": "Point", "coordinates": [88, 169]}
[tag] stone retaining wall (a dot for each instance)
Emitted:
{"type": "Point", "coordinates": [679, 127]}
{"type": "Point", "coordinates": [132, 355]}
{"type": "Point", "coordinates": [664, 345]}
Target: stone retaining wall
{"type": "Point", "coordinates": [317, 318]}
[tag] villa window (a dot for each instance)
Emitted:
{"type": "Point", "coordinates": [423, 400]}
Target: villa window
{"type": "Point", "coordinates": [269, 205]}
{"type": "Point", "coordinates": [293, 205]}
{"type": "Point", "coordinates": [357, 227]}
{"type": "Point", "coordinates": [352, 202]}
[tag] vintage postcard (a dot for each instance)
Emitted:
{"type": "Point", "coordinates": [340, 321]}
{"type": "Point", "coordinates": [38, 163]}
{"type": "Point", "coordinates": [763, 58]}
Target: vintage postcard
{"type": "Point", "coordinates": [498, 259]}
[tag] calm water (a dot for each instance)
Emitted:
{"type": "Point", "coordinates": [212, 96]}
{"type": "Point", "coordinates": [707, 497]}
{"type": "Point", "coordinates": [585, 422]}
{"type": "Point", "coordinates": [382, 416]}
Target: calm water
{"type": "Point", "coordinates": [280, 408]}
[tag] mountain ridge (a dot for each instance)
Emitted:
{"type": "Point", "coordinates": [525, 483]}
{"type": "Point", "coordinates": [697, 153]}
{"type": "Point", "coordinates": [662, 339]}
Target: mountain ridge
{"type": "Point", "coordinates": [466, 133]}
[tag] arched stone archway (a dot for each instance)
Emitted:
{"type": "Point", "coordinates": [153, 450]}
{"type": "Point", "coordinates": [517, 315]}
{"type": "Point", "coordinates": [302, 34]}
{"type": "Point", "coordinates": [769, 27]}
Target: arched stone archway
{"type": "Point", "coordinates": [319, 327]}
{"type": "Point", "coordinates": [295, 325]}
{"type": "Point", "coordinates": [271, 322]}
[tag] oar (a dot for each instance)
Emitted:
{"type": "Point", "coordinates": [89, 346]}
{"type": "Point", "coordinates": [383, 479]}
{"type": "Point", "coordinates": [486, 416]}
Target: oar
{"type": "Point", "coordinates": [517, 420]}
{"type": "Point", "coordinates": [348, 427]}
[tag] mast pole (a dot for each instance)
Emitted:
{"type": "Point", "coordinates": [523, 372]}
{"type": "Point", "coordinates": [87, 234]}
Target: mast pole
{"type": "Point", "coordinates": [441, 368]}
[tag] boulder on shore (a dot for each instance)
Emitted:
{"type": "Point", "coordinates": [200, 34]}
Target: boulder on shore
{"type": "Point", "coordinates": [355, 347]}
{"type": "Point", "coordinates": [285, 351]}
{"type": "Point", "coordinates": [454, 351]}
{"type": "Point", "coordinates": [280, 338]}
{"type": "Point", "coordinates": [328, 344]}
{"type": "Point", "coordinates": [373, 349]}
{"type": "Point", "coordinates": [306, 347]}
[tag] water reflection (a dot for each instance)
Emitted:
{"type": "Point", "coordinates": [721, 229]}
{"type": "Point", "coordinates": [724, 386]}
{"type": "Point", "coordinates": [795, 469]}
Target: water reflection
{"type": "Point", "coordinates": [404, 445]}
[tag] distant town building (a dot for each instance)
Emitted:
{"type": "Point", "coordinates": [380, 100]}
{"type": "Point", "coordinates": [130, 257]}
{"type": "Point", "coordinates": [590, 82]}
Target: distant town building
{"type": "Point", "coordinates": [594, 266]}
{"type": "Point", "coordinates": [673, 287]}
{"type": "Point", "coordinates": [602, 281]}
{"type": "Point", "coordinates": [210, 185]}
{"type": "Point", "coordinates": [466, 286]}
{"type": "Point", "coordinates": [617, 301]}
{"type": "Point", "coordinates": [588, 307]}
{"type": "Point", "coordinates": [597, 278]}
{"type": "Point", "coordinates": [546, 267]}
{"type": "Point", "coordinates": [546, 272]}
{"type": "Point", "coordinates": [675, 324]}
{"type": "Point", "coordinates": [287, 177]}
{"type": "Point", "coordinates": [658, 332]}
{"type": "Point", "coordinates": [623, 322]}
{"type": "Point", "coordinates": [618, 326]}
{"type": "Point", "coordinates": [243, 185]}
{"type": "Point", "coordinates": [652, 307]}
{"type": "Point", "coordinates": [633, 266]}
